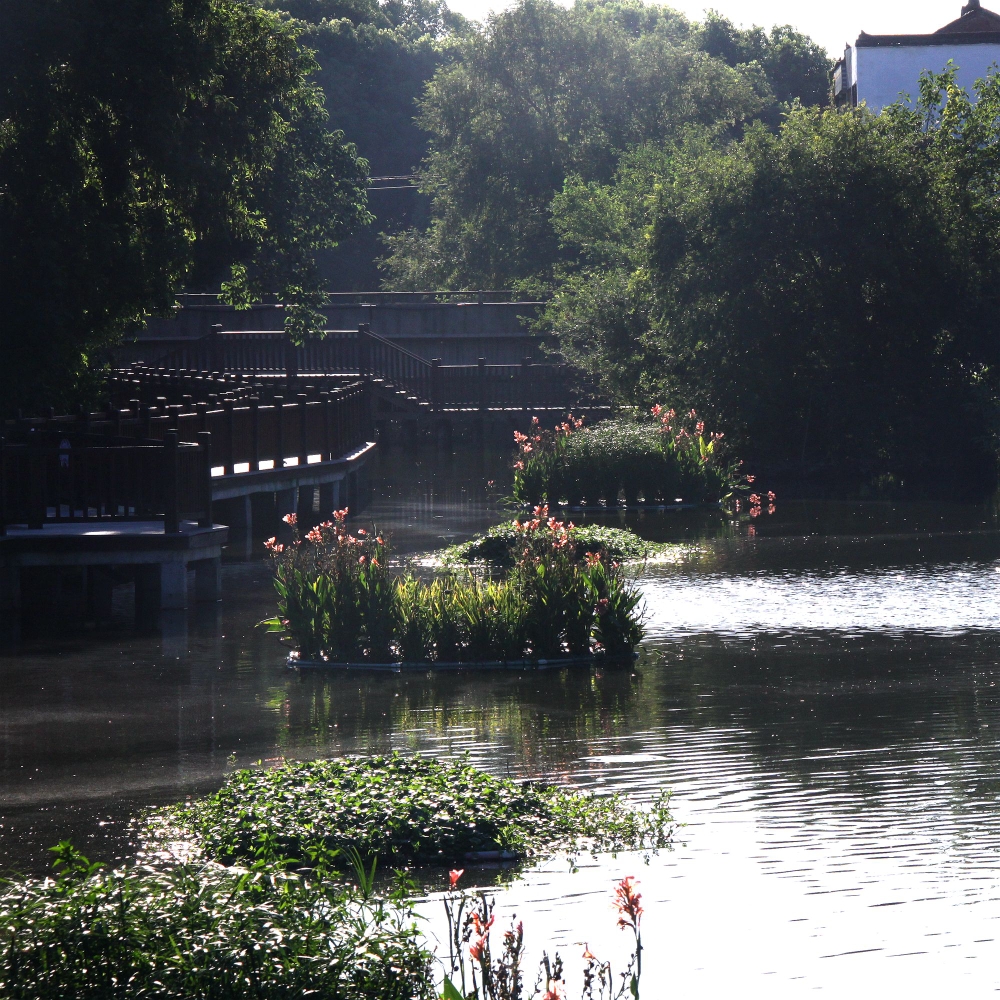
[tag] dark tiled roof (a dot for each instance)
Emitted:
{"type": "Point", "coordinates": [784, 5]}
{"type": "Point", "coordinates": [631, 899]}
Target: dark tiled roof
{"type": "Point", "coordinates": [976, 26]}
{"type": "Point", "coordinates": [973, 20]}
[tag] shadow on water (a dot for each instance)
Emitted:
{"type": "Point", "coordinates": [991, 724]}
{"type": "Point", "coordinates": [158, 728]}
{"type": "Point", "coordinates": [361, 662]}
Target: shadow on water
{"type": "Point", "coordinates": [821, 697]}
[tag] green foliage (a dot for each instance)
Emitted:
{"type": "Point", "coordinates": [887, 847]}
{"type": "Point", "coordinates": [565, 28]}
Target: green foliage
{"type": "Point", "coordinates": [374, 61]}
{"type": "Point", "coordinates": [200, 930]}
{"type": "Point", "coordinates": [824, 291]}
{"type": "Point", "coordinates": [662, 461]}
{"type": "Point", "coordinates": [544, 93]}
{"type": "Point", "coordinates": [796, 67]}
{"type": "Point", "coordinates": [502, 545]}
{"type": "Point", "coordinates": [338, 602]}
{"type": "Point", "coordinates": [402, 810]}
{"type": "Point", "coordinates": [148, 144]}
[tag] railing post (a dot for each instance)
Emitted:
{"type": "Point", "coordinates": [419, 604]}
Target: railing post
{"type": "Point", "coordinates": [279, 436]}
{"type": "Point", "coordinates": [327, 436]}
{"type": "Point", "coordinates": [205, 442]}
{"type": "Point", "coordinates": [171, 499]}
{"type": "Point", "coordinates": [364, 350]}
{"type": "Point", "coordinates": [435, 383]}
{"type": "Point", "coordinates": [216, 349]}
{"type": "Point", "coordinates": [303, 429]}
{"type": "Point", "coordinates": [291, 361]}
{"type": "Point", "coordinates": [482, 385]}
{"type": "Point", "coordinates": [525, 382]}
{"type": "Point", "coordinates": [254, 402]}
{"type": "Point", "coordinates": [228, 443]}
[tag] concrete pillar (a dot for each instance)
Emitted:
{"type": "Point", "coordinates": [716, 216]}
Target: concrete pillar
{"type": "Point", "coordinates": [173, 626]}
{"type": "Point", "coordinates": [238, 515]}
{"type": "Point", "coordinates": [329, 500]}
{"type": "Point", "coordinates": [173, 586]}
{"type": "Point", "coordinates": [10, 603]}
{"type": "Point", "coordinates": [208, 580]}
{"type": "Point", "coordinates": [265, 518]}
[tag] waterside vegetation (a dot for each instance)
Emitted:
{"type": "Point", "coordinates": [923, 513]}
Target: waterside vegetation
{"type": "Point", "coordinates": [503, 544]}
{"type": "Point", "coordinates": [340, 602]}
{"type": "Point", "coordinates": [664, 458]}
{"type": "Point", "coordinates": [203, 930]}
{"type": "Point", "coordinates": [400, 811]}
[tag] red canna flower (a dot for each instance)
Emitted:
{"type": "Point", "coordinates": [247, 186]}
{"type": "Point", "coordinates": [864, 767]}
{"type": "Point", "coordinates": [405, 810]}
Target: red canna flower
{"type": "Point", "coordinates": [627, 903]}
{"type": "Point", "coordinates": [454, 876]}
{"type": "Point", "coordinates": [291, 519]}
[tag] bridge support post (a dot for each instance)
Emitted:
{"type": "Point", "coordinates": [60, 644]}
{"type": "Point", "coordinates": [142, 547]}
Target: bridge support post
{"type": "Point", "coordinates": [238, 515]}
{"type": "Point", "coordinates": [329, 500]}
{"type": "Point", "coordinates": [208, 581]}
{"type": "Point", "coordinates": [173, 586]}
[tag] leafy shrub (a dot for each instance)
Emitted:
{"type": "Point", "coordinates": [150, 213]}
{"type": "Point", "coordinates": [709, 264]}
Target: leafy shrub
{"type": "Point", "coordinates": [201, 930]}
{"type": "Point", "coordinates": [663, 460]}
{"type": "Point", "coordinates": [502, 545]}
{"type": "Point", "coordinates": [338, 602]}
{"type": "Point", "coordinates": [401, 810]}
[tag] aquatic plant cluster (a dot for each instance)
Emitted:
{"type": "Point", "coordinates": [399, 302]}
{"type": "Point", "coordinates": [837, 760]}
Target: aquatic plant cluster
{"type": "Point", "coordinates": [477, 972]}
{"type": "Point", "coordinates": [502, 544]}
{"type": "Point", "coordinates": [202, 930]}
{"type": "Point", "coordinates": [401, 810]}
{"type": "Point", "coordinates": [665, 458]}
{"type": "Point", "coordinates": [340, 602]}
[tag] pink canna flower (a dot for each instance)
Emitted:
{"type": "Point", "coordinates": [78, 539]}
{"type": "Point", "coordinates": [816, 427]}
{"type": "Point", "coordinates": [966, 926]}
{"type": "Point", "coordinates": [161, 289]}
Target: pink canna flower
{"type": "Point", "coordinates": [627, 903]}
{"type": "Point", "coordinates": [656, 410]}
{"type": "Point", "coordinates": [292, 519]}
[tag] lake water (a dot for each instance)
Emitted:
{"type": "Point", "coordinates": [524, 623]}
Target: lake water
{"type": "Point", "coordinates": [821, 698]}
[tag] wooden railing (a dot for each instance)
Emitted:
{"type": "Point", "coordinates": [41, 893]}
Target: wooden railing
{"type": "Point", "coordinates": [145, 462]}
{"type": "Point", "coordinates": [361, 352]}
{"type": "Point", "coordinates": [42, 485]}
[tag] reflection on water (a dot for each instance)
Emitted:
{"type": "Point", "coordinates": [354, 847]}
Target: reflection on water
{"type": "Point", "coordinates": [822, 700]}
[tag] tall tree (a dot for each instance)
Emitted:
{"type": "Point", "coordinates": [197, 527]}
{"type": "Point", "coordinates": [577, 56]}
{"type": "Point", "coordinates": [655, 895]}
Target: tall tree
{"type": "Point", "coordinates": [544, 93]}
{"type": "Point", "coordinates": [827, 291]}
{"type": "Point", "coordinates": [374, 59]}
{"type": "Point", "coordinates": [149, 142]}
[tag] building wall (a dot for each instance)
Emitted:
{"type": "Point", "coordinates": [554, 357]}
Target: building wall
{"type": "Point", "coordinates": [883, 72]}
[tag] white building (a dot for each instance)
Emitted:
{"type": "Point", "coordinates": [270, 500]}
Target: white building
{"type": "Point", "coordinates": [877, 69]}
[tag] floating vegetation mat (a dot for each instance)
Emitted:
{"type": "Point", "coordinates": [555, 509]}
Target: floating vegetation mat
{"type": "Point", "coordinates": [401, 811]}
{"type": "Point", "coordinates": [502, 545]}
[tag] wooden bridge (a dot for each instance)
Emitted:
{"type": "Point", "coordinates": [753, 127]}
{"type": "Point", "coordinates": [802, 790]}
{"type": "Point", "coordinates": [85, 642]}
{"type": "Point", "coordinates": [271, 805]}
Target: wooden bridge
{"type": "Point", "coordinates": [137, 488]}
{"type": "Point", "coordinates": [403, 382]}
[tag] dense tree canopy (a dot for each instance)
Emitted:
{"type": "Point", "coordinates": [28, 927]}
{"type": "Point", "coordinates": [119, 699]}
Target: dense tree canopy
{"type": "Point", "coordinates": [828, 291]}
{"type": "Point", "coordinates": [144, 143]}
{"type": "Point", "coordinates": [374, 59]}
{"type": "Point", "coordinates": [545, 92]}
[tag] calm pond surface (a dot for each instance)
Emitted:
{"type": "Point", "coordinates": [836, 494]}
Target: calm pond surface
{"type": "Point", "coordinates": [822, 699]}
